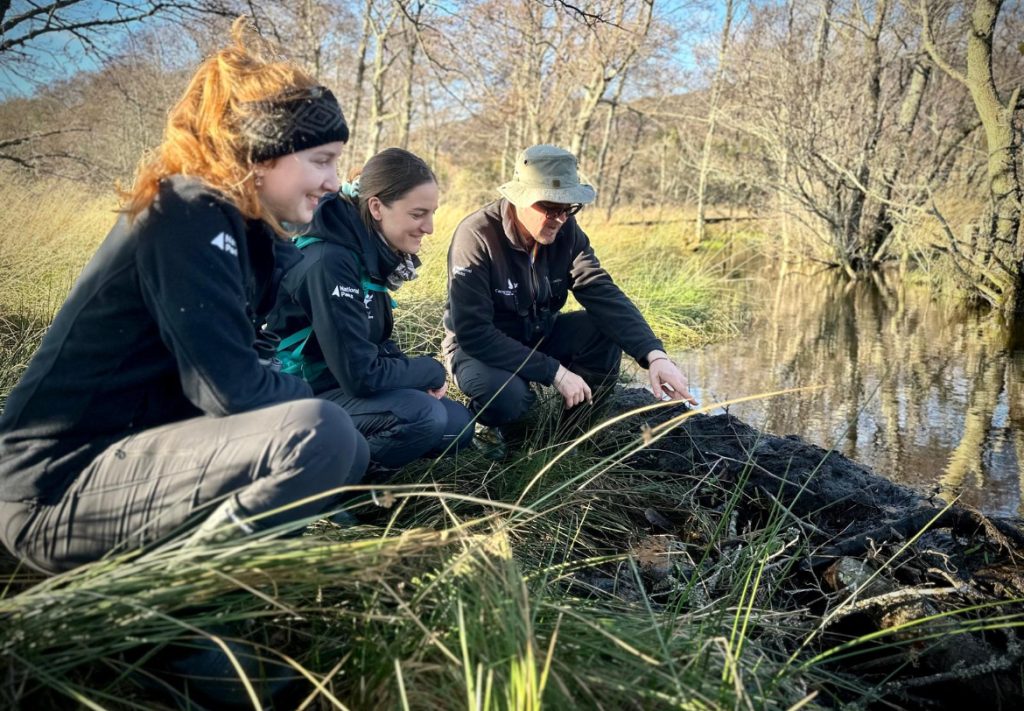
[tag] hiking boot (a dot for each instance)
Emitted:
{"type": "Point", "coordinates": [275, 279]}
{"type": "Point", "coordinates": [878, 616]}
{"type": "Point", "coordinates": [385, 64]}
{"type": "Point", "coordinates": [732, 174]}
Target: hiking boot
{"type": "Point", "coordinates": [490, 442]}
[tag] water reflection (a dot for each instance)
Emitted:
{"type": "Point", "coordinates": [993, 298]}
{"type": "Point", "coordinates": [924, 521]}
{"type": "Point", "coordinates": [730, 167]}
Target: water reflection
{"type": "Point", "coordinates": [927, 393]}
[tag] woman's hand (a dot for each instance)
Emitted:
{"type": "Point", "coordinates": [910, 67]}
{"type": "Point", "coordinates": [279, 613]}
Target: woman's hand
{"type": "Point", "coordinates": [438, 392]}
{"type": "Point", "coordinates": [667, 382]}
{"type": "Point", "coordinates": [571, 387]}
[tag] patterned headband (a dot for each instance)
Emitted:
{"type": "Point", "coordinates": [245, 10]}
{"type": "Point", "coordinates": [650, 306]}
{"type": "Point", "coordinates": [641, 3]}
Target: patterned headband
{"type": "Point", "coordinates": [277, 128]}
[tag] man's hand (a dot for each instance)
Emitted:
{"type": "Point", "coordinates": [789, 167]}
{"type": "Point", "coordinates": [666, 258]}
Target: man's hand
{"type": "Point", "coordinates": [571, 387]}
{"type": "Point", "coordinates": [439, 392]}
{"type": "Point", "coordinates": [667, 382]}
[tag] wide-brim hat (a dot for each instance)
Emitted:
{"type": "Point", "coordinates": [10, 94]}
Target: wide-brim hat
{"type": "Point", "coordinates": [547, 174]}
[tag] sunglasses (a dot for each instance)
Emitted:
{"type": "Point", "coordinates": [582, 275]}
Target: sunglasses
{"type": "Point", "coordinates": [555, 210]}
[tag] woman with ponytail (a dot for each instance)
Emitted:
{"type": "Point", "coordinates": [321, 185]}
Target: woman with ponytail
{"type": "Point", "coordinates": [147, 409]}
{"type": "Point", "coordinates": [335, 317]}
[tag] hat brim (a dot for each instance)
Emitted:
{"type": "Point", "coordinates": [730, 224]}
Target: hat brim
{"type": "Point", "coordinates": [523, 196]}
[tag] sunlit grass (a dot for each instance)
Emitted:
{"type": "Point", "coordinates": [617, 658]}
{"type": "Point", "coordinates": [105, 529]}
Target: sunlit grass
{"type": "Point", "coordinates": [519, 585]}
{"type": "Point", "coordinates": [447, 601]}
{"type": "Point", "coordinates": [47, 234]}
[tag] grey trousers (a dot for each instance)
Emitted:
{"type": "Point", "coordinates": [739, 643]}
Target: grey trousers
{"type": "Point", "coordinates": [159, 482]}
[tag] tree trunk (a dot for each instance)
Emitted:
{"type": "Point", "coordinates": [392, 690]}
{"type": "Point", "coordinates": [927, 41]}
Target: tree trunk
{"type": "Point", "coordinates": [853, 228]}
{"type": "Point", "coordinates": [1003, 245]}
{"type": "Point", "coordinates": [404, 128]}
{"type": "Point", "coordinates": [705, 156]}
{"type": "Point", "coordinates": [412, 45]}
{"type": "Point", "coordinates": [357, 84]}
{"type": "Point", "coordinates": [381, 66]}
{"type": "Point", "coordinates": [610, 128]}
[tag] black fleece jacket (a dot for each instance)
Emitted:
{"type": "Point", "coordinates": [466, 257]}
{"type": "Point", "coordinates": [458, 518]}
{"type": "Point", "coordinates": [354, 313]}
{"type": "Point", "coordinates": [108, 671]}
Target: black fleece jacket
{"type": "Point", "coordinates": [159, 327]}
{"type": "Point", "coordinates": [500, 305]}
{"type": "Point", "coordinates": [351, 324]}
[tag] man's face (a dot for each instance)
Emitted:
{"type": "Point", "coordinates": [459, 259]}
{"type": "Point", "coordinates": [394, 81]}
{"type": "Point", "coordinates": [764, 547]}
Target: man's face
{"type": "Point", "coordinates": [542, 220]}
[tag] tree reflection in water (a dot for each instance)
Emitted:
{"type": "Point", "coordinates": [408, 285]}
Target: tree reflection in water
{"type": "Point", "coordinates": [928, 393]}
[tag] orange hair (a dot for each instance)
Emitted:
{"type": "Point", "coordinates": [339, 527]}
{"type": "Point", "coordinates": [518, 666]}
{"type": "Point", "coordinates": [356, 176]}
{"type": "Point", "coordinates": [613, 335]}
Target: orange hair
{"type": "Point", "coordinates": [203, 137]}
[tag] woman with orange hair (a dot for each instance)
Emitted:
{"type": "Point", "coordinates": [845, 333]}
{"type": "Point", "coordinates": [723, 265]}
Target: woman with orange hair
{"type": "Point", "coordinates": [147, 409]}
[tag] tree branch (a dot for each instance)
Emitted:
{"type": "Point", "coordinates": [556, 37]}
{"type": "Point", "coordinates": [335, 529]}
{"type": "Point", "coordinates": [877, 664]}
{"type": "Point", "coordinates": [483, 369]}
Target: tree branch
{"type": "Point", "coordinates": [933, 51]}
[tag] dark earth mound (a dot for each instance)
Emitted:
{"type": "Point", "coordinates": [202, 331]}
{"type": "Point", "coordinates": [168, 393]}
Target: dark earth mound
{"type": "Point", "coordinates": [863, 554]}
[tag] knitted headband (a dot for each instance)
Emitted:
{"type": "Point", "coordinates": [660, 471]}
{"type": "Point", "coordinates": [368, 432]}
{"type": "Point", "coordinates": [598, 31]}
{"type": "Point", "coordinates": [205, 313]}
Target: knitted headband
{"type": "Point", "coordinates": [277, 128]}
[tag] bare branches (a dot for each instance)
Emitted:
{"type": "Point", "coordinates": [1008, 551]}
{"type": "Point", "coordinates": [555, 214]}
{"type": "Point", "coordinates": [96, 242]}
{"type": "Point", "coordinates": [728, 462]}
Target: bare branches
{"type": "Point", "coordinates": [928, 43]}
{"type": "Point", "coordinates": [33, 153]}
{"type": "Point", "coordinates": [588, 18]}
{"type": "Point", "coordinates": [84, 20]}
{"type": "Point", "coordinates": [6, 143]}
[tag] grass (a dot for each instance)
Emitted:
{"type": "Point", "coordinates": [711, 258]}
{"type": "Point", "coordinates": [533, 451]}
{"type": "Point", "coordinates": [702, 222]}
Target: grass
{"type": "Point", "coordinates": [446, 602]}
{"type": "Point", "coordinates": [469, 585]}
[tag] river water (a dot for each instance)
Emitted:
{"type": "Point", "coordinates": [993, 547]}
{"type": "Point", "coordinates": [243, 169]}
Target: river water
{"type": "Point", "coordinates": [926, 392]}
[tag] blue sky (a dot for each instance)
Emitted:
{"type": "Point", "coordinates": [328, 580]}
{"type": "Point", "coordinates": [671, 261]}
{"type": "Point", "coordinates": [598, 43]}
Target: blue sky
{"type": "Point", "coordinates": [59, 56]}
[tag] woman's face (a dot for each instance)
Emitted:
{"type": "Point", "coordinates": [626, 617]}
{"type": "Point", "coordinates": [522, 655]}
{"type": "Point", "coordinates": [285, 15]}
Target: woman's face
{"type": "Point", "coordinates": [292, 185]}
{"type": "Point", "coordinates": [405, 221]}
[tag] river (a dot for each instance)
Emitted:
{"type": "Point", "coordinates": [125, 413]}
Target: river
{"type": "Point", "coordinates": [926, 392]}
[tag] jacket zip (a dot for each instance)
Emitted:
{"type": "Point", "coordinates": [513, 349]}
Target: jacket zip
{"type": "Point", "coordinates": [534, 286]}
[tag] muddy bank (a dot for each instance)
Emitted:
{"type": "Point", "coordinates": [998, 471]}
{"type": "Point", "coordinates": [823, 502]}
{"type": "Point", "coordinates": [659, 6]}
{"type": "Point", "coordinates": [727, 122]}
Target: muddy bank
{"type": "Point", "coordinates": [849, 558]}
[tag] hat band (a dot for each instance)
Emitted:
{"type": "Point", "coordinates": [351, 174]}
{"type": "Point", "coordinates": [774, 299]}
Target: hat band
{"type": "Point", "coordinates": [550, 184]}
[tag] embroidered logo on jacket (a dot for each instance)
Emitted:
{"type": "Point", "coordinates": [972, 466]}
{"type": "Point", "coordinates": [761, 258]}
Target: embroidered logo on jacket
{"type": "Point", "coordinates": [510, 291]}
{"type": "Point", "coordinates": [225, 242]}
{"type": "Point", "coordinates": [367, 300]}
{"type": "Point", "coordinates": [461, 271]}
{"type": "Point", "coordinates": [344, 291]}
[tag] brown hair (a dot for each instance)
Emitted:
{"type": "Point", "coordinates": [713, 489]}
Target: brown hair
{"type": "Point", "coordinates": [389, 176]}
{"type": "Point", "coordinates": [204, 133]}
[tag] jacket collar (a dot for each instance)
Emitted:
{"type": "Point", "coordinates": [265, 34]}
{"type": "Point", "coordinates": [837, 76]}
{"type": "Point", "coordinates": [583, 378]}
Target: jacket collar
{"type": "Point", "coordinates": [508, 224]}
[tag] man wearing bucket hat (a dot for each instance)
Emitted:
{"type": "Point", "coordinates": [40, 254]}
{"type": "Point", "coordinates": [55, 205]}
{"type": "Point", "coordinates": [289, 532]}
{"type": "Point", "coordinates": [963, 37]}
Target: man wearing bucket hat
{"type": "Point", "coordinates": [511, 266]}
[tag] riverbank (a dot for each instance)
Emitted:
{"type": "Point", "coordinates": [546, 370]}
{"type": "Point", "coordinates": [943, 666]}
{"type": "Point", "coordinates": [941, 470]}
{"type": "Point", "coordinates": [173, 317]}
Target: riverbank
{"type": "Point", "coordinates": [641, 568]}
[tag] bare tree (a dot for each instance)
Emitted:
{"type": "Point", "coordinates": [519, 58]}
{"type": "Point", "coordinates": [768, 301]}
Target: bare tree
{"type": "Point", "coordinates": [410, 21]}
{"type": "Point", "coordinates": [992, 261]}
{"type": "Point", "coordinates": [25, 26]}
{"type": "Point", "coordinates": [831, 97]}
{"type": "Point", "coordinates": [39, 41]}
{"type": "Point", "coordinates": [359, 78]}
{"type": "Point", "coordinates": [715, 93]}
{"type": "Point", "coordinates": [383, 21]}
{"type": "Point", "coordinates": [609, 51]}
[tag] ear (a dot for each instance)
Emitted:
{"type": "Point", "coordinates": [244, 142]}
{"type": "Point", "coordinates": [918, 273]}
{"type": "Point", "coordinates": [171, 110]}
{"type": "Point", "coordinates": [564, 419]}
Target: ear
{"type": "Point", "coordinates": [376, 208]}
